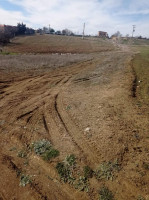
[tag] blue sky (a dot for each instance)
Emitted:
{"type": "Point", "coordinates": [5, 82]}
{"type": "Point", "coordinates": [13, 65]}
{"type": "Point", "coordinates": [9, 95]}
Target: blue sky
{"type": "Point", "coordinates": [106, 15]}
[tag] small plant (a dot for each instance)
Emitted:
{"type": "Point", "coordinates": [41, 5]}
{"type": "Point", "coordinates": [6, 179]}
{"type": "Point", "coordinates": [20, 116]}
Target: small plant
{"type": "Point", "coordinates": [105, 194]}
{"type": "Point", "coordinates": [24, 180]}
{"type": "Point", "coordinates": [65, 173]}
{"type": "Point", "coordinates": [68, 107]}
{"type": "Point", "coordinates": [88, 172]}
{"type": "Point", "coordinates": [70, 160]}
{"type": "Point", "coordinates": [82, 184]}
{"type": "Point", "coordinates": [145, 165]}
{"type": "Point", "coordinates": [45, 150]}
{"type": "Point", "coordinates": [140, 198]}
{"type": "Point", "coordinates": [106, 170]}
{"type": "Point", "coordinates": [22, 154]}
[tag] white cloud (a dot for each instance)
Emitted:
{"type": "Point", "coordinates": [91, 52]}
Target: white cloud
{"type": "Point", "coordinates": [103, 15]}
{"type": "Point", "coordinates": [11, 17]}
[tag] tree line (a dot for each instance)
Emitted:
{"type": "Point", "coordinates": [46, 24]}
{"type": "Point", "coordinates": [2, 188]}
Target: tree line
{"type": "Point", "coordinates": [8, 32]}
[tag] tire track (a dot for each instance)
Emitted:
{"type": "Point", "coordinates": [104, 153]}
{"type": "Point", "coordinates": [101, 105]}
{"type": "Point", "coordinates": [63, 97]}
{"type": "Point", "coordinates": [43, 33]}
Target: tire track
{"type": "Point", "coordinates": [78, 138]}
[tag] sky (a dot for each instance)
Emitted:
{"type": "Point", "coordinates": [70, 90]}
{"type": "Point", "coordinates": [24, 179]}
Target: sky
{"type": "Point", "coordinates": [98, 15]}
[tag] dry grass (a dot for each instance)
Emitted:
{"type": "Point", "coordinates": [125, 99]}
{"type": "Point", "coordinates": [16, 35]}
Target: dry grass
{"type": "Point", "coordinates": [31, 65]}
{"type": "Point", "coordinates": [58, 44]}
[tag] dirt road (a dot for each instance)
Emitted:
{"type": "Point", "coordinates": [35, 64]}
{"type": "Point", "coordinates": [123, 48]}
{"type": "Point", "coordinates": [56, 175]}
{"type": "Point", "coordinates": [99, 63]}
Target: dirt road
{"type": "Point", "coordinates": [86, 109]}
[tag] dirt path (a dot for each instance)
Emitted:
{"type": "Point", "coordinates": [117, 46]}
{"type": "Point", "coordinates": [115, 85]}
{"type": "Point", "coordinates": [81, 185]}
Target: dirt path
{"type": "Point", "coordinates": [59, 106]}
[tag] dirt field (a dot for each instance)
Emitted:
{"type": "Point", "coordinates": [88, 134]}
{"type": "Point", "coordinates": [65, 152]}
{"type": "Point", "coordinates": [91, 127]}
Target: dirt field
{"type": "Point", "coordinates": [87, 109]}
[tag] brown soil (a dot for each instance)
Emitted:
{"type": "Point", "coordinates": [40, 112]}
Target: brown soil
{"type": "Point", "coordinates": [59, 105]}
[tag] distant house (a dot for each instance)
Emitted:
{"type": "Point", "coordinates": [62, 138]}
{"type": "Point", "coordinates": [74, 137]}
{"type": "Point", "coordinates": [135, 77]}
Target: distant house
{"type": "Point", "coordinates": [102, 34]}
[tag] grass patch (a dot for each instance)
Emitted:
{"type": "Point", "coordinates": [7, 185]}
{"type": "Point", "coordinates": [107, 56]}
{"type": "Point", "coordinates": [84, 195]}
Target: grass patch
{"type": "Point", "coordinates": [106, 170]}
{"type": "Point", "coordinates": [105, 194]}
{"type": "Point", "coordinates": [141, 68]}
{"type": "Point", "coordinates": [44, 149]}
{"type": "Point", "coordinates": [8, 53]}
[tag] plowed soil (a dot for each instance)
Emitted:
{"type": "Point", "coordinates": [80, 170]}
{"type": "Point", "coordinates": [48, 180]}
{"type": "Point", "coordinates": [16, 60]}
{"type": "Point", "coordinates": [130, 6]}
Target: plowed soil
{"type": "Point", "coordinates": [84, 108]}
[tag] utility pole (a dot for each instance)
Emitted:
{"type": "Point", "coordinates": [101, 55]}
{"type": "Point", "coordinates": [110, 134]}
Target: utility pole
{"type": "Point", "coordinates": [83, 31]}
{"type": "Point", "coordinates": [133, 29]}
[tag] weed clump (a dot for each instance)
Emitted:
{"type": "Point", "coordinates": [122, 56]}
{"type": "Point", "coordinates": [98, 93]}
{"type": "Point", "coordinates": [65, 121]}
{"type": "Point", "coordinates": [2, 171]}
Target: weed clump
{"type": "Point", "coordinates": [44, 149]}
{"type": "Point", "coordinates": [140, 198]}
{"type": "Point", "coordinates": [66, 169]}
{"type": "Point", "coordinates": [105, 194]}
{"type": "Point", "coordinates": [145, 166]}
{"type": "Point", "coordinates": [22, 154]}
{"type": "Point", "coordinates": [24, 180]}
{"type": "Point", "coordinates": [70, 160]}
{"type": "Point", "coordinates": [82, 184]}
{"type": "Point", "coordinates": [106, 170]}
{"type": "Point", "coordinates": [88, 172]}
{"type": "Point", "coordinates": [65, 173]}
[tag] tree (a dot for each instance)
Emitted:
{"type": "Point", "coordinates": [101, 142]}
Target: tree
{"type": "Point", "coordinates": [29, 31]}
{"type": "Point", "coordinates": [6, 33]}
{"type": "Point", "coordinates": [67, 32]}
{"type": "Point", "coordinates": [52, 31]}
{"type": "Point", "coordinates": [117, 34]}
{"type": "Point", "coordinates": [21, 29]}
{"type": "Point", "coordinates": [58, 32]}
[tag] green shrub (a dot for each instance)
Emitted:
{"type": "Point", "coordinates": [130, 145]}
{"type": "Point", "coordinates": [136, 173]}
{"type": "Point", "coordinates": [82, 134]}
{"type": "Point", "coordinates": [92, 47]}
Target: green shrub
{"type": "Point", "coordinates": [88, 172]}
{"type": "Point", "coordinates": [105, 194]}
